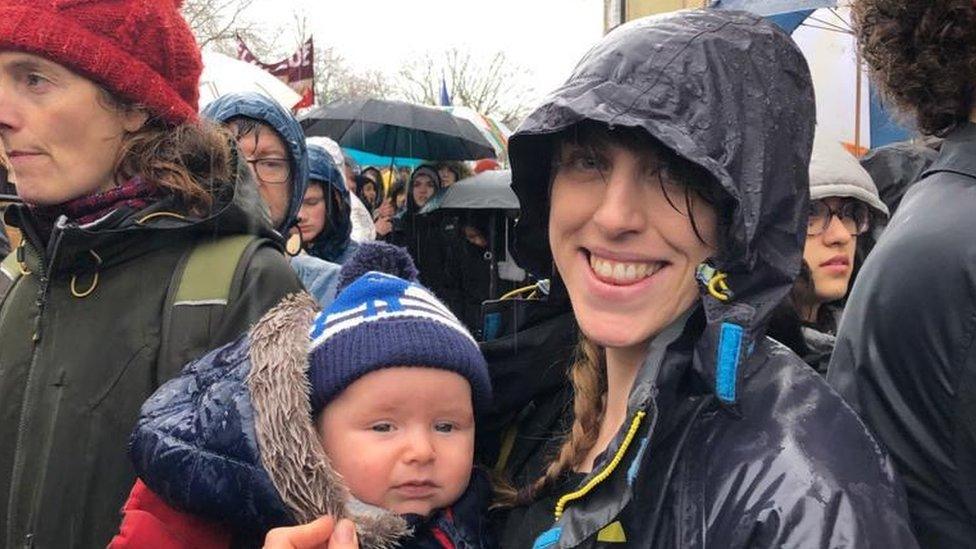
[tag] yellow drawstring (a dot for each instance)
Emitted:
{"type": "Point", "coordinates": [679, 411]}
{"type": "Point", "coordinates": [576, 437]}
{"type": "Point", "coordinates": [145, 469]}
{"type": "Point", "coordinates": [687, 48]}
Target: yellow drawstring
{"type": "Point", "coordinates": [74, 279]}
{"type": "Point", "coordinates": [160, 214]}
{"type": "Point", "coordinates": [518, 292]}
{"type": "Point", "coordinates": [718, 287]}
{"type": "Point", "coordinates": [607, 471]}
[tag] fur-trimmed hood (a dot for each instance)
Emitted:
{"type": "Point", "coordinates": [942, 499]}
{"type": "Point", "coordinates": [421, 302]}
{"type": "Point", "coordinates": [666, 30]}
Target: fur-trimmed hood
{"type": "Point", "coordinates": [231, 439]}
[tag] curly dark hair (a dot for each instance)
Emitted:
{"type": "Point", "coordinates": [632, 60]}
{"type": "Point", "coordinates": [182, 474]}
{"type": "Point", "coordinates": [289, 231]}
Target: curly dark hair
{"type": "Point", "coordinates": [922, 57]}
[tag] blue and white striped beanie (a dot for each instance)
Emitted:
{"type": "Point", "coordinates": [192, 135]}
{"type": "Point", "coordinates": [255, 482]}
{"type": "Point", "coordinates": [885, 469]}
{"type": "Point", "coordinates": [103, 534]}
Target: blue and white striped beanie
{"type": "Point", "coordinates": [379, 321]}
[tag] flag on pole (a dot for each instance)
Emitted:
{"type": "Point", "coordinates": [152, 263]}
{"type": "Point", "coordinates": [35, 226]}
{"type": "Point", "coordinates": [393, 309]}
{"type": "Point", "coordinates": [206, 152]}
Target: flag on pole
{"type": "Point", "coordinates": [298, 71]}
{"type": "Point", "coordinates": [445, 97]}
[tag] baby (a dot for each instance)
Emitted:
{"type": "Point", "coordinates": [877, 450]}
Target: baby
{"type": "Point", "coordinates": [374, 420]}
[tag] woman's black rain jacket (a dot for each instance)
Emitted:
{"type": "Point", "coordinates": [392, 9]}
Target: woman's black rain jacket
{"type": "Point", "coordinates": [735, 442]}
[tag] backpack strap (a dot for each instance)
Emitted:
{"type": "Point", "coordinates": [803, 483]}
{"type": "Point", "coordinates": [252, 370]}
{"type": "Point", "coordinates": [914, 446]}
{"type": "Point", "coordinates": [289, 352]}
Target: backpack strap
{"type": "Point", "coordinates": [203, 284]}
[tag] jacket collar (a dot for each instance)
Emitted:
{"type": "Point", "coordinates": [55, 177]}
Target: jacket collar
{"type": "Point", "coordinates": [958, 154]}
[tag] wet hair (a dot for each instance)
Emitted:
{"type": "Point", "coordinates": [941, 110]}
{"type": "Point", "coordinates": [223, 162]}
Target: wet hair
{"type": "Point", "coordinates": [246, 126]}
{"type": "Point", "coordinates": [672, 168]}
{"type": "Point", "coordinates": [922, 57]}
{"type": "Point", "coordinates": [192, 161]}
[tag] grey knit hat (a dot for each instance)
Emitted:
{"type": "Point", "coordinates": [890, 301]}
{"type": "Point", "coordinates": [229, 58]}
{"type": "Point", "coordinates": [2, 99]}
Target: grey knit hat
{"type": "Point", "coordinates": [834, 172]}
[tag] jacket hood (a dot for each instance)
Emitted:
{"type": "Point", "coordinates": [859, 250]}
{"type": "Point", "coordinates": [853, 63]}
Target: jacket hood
{"type": "Point", "coordinates": [729, 92]}
{"type": "Point", "coordinates": [231, 438]}
{"type": "Point", "coordinates": [264, 109]}
{"type": "Point", "coordinates": [431, 172]}
{"type": "Point", "coordinates": [334, 238]}
{"type": "Point", "coordinates": [834, 172]}
{"type": "Point", "coordinates": [361, 182]}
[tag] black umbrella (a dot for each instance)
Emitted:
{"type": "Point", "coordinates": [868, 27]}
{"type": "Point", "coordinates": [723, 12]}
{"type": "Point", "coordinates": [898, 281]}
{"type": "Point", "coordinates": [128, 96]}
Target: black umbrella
{"type": "Point", "coordinates": [398, 129]}
{"type": "Point", "coordinates": [491, 192]}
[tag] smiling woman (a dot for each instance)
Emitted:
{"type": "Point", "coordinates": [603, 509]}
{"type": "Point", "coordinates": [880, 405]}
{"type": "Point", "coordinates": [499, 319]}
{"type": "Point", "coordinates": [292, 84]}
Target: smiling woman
{"type": "Point", "coordinates": [121, 184]}
{"type": "Point", "coordinates": [676, 226]}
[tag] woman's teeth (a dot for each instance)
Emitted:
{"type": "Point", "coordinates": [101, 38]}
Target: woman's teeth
{"type": "Point", "coordinates": [619, 272]}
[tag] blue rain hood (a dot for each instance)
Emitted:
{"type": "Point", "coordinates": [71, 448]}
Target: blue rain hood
{"type": "Point", "coordinates": [264, 109]}
{"type": "Point", "coordinates": [334, 239]}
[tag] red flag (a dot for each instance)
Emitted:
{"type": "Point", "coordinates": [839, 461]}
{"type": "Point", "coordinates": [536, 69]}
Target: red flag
{"type": "Point", "coordinates": [298, 71]}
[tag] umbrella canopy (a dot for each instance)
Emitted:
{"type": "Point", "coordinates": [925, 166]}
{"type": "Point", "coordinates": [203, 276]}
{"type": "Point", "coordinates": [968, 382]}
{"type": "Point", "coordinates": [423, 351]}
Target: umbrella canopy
{"type": "Point", "coordinates": [848, 108]}
{"type": "Point", "coordinates": [223, 74]}
{"type": "Point", "coordinates": [398, 129]}
{"type": "Point", "coordinates": [491, 190]}
{"type": "Point", "coordinates": [494, 131]}
{"type": "Point", "coordinates": [369, 159]}
{"type": "Point", "coordinates": [772, 7]}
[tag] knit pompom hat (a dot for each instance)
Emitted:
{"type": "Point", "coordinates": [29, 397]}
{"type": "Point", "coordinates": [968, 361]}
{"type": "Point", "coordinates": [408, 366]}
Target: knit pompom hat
{"type": "Point", "coordinates": [139, 50]}
{"type": "Point", "coordinates": [380, 320]}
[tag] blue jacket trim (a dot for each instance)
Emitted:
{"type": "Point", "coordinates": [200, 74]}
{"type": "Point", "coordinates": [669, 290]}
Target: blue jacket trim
{"type": "Point", "coordinates": [548, 538]}
{"type": "Point", "coordinates": [730, 340]}
{"type": "Point", "coordinates": [635, 464]}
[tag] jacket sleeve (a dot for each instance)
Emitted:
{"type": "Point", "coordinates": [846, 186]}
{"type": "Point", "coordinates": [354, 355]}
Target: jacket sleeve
{"type": "Point", "coordinates": [267, 278]}
{"type": "Point", "coordinates": [148, 521]}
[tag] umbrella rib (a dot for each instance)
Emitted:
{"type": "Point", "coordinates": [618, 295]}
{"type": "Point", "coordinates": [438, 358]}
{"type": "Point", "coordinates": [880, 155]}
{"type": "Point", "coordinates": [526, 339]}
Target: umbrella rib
{"type": "Point", "coordinates": [828, 24]}
{"type": "Point", "coordinates": [843, 23]}
{"type": "Point", "coordinates": [828, 28]}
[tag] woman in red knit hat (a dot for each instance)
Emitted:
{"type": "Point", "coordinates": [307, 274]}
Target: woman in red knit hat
{"type": "Point", "coordinates": [126, 195]}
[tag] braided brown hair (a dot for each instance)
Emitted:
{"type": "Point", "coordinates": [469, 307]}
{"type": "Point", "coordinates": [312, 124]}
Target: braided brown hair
{"type": "Point", "coordinates": [589, 377]}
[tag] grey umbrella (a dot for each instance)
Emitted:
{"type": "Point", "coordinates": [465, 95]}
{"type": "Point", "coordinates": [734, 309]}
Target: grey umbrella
{"type": "Point", "coordinates": [398, 130]}
{"type": "Point", "coordinates": [491, 190]}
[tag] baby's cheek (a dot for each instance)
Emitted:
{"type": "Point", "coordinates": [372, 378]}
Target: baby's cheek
{"type": "Point", "coordinates": [368, 482]}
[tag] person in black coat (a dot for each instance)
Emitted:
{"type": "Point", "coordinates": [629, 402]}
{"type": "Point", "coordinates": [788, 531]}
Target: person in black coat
{"type": "Point", "coordinates": [669, 195]}
{"type": "Point", "coordinates": [904, 356]}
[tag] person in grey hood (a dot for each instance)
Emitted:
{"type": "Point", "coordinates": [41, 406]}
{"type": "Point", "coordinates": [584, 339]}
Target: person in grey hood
{"type": "Point", "coordinates": [666, 183]}
{"type": "Point", "coordinates": [844, 205]}
{"type": "Point", "coordinates": [904, 356]}
{"type": "Point", "coordinates": [272, 143]}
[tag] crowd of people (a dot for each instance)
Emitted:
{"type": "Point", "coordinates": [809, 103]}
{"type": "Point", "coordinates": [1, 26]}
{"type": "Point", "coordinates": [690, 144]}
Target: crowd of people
{"type": "Point", "coordinates": [218, 332]}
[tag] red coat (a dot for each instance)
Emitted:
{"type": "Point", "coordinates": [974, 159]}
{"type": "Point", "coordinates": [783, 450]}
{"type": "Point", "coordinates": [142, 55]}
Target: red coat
{"type": "Point", "coordinates": [148, 521]}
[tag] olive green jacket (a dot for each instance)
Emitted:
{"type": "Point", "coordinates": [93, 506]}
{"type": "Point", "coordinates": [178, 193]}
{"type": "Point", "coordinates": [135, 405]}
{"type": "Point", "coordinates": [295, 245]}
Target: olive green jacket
{"type": "Point", "coordinates": [81, 348]}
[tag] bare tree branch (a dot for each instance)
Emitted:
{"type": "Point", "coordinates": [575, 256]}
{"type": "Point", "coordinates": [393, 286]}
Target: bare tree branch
{"type": "Point", "coordinates": [493, 87]}
{"type": "Point", "coordinates": [215, 23]}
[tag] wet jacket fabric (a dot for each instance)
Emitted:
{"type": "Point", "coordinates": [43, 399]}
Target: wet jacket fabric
{"type": "Point", "coordinates": [905, 357]}
{"type": "Point", "coordinates": [334, 244]}
{"type": "Point", "coordinates": [316, 275]}
{"type": "Point", "coordinates": [730, 441]}
{"type": "Point", "coordinates": [75, 370]}
{"type": "Point", "coordinates": [231, 441]}
{"type": "Point", "coordinates": [897, 166]}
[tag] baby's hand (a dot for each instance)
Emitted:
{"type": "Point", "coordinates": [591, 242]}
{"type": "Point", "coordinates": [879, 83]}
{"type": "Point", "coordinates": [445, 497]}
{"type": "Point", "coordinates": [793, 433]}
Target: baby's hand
{"type": "Point", "coordinates": [321, 533]}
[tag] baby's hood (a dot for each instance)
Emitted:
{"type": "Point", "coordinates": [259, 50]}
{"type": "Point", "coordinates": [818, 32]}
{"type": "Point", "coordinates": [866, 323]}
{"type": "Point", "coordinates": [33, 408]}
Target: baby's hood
{"type": "Point", "coordinates": [231, 438]}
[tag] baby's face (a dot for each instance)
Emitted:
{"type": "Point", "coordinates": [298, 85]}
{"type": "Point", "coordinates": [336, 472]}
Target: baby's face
{"type": "Point", "coordinates": [402, 438]}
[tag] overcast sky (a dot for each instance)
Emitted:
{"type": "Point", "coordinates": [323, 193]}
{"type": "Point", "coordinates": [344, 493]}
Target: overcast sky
{"type": "Point", "coordinates": [546, 37]}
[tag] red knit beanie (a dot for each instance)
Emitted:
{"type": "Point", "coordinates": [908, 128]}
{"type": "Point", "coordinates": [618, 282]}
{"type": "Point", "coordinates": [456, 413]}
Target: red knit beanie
{"type": "Point", "coordinates": [140, 50]}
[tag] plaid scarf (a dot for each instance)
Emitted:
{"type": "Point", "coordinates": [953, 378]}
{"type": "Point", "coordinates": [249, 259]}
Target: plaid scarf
{"type": "Point", "coordinates": [135, 194]}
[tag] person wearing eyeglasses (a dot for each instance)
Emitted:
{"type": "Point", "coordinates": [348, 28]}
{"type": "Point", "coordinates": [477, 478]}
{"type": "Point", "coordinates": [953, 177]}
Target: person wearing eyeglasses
{"type": "Point", "coordinates": [844, 204]}
{"type": "Point", "coordinates": [272, 143]}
